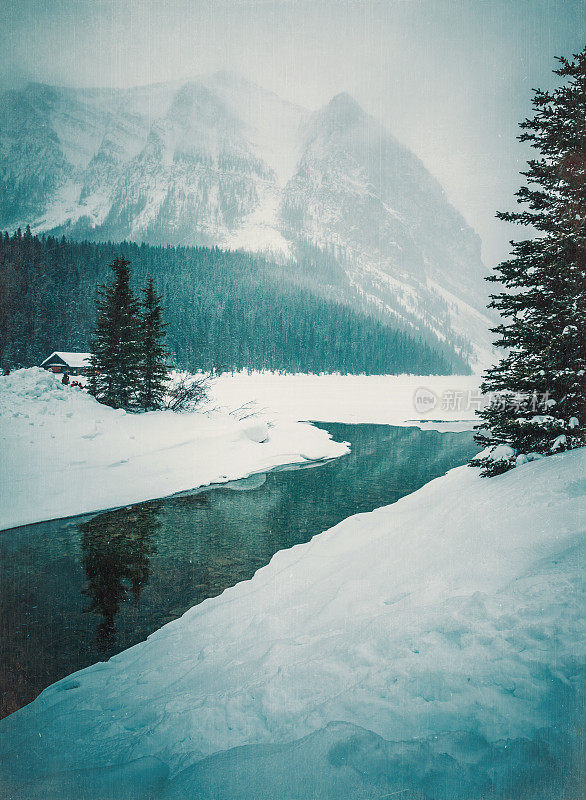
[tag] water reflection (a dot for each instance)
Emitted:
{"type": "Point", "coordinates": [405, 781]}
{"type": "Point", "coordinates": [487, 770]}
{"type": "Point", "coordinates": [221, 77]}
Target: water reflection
{"type": "Point", "coordinates": [73, 592]}
{"type": "Point", "coordinates": [116, 548]}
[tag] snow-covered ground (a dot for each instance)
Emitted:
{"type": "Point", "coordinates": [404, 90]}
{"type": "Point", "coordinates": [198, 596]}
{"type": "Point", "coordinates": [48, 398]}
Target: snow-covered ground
{"type": "Point", "coordinates": [65, 454]}
{"type": "Point", "coordinates": [428, 650]}
{"type": "Point", "coordinates": [62, 453]}
{"type": "Point", "coordinates": [384, 399]}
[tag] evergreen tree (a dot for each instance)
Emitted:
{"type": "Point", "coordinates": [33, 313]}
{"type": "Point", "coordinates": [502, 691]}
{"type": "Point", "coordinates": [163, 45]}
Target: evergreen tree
{"type": "Point", "coordinates": [538, 389]}
{"type": "Point", "coordinates": [153, 355]}
{"type": "Point", "coordinates": [115, 360]}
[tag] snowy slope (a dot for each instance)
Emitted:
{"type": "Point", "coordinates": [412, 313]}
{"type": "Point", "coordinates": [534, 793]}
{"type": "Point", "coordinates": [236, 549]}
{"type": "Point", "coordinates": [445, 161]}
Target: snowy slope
{"type": "Point", "coordinates": [432, 649]}
{"type": "Point", "coordinates": [221, 161]}
{"type": "Point", "coordinates": [360, 189]}
{"type": "Point", "coordinates": [62, 453]}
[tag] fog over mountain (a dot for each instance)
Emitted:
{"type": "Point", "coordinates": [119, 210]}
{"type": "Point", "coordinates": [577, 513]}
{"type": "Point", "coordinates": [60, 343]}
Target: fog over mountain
{"type": "Point", "coordinates": [220, 161]}
{"type": "Point", "coordinates": [451, 79]}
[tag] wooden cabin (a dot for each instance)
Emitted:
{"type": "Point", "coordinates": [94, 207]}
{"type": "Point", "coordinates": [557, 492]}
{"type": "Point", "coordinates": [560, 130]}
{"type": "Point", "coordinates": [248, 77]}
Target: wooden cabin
{"type": "Point", "coordinates": [72, 363]}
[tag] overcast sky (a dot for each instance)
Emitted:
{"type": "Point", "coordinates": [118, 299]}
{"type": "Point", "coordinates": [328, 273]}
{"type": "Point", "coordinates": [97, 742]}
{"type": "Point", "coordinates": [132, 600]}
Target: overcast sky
{"type": "Point", "coordinates": [450, 78]}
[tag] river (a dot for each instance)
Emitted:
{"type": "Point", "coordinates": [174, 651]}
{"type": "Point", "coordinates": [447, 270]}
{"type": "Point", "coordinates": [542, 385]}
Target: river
{"type": "Point", "coordinates": [77, 591]}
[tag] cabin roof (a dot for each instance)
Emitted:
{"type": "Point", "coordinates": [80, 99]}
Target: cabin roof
{"type": "Point", "coordinates": [71, 359]}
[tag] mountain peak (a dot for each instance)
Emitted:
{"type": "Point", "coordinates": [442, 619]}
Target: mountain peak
{"type": "Point", "coordinates": [341, 111]}
{"type": "Point", "coordinates": [344, 101]}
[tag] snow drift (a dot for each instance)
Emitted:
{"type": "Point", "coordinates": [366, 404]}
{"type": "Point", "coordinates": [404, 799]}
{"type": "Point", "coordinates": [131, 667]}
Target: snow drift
{"type": "Point", "coordinates": [431, 649]}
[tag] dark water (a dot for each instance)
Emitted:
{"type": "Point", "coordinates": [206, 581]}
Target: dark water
{"type": "Point", "coordinates": [77, 591]}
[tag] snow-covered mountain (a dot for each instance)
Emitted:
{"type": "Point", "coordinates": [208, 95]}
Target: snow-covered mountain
{"type": "Point", "coordinates": [220, 161]}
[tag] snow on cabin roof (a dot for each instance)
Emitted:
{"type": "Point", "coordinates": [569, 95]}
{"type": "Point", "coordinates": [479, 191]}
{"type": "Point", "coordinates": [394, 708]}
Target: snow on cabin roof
{"type": "Point", "coordinates": [71, 359]}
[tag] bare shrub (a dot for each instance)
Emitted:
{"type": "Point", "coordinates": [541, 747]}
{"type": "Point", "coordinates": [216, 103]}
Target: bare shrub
{"type": "Point", "coordinates": [187, 392]}
{"type": "Point", "coordinates": [247, 410]}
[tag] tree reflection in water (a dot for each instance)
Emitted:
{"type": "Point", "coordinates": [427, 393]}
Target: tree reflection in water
{"type": "Point", "coordinates": [116, 550]}
{"type": "Point", "coordinates": [54, 573]}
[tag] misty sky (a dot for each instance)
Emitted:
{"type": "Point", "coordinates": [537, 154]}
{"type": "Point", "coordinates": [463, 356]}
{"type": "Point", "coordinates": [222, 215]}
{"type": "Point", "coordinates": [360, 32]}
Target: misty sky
{"type": "Point", "coordinates": [450, 78]}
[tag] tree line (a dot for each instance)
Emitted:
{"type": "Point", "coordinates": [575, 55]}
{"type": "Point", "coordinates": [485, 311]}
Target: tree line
{"type": "Point", "coordinates": [225, 310]}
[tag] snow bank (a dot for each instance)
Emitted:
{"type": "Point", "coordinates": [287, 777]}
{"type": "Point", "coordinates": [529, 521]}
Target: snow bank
{"type": "Point", "coordinates": [62, 453]}
{"type": "Point", "coordinates": [433, 402]}
{"type": "Point", "coordinates": [430, 649]}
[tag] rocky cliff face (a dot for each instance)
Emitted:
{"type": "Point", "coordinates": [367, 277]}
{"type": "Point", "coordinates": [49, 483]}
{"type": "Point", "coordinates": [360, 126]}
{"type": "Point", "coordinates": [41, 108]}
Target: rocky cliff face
{"type": "Point", "coordinates": [219, 161]}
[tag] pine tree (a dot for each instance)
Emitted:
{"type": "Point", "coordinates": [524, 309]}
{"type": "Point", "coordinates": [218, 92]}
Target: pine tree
{"type": "Point", "coordinates": [538, 389]}
{"type": "Point", "coordinates": [153, 355]}
{"type": "Point", "coordinates": [115, 360]}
